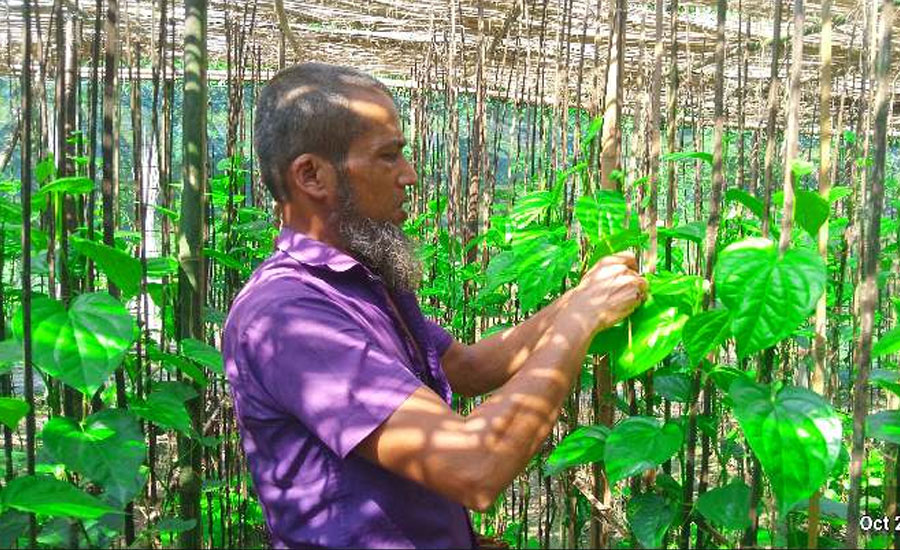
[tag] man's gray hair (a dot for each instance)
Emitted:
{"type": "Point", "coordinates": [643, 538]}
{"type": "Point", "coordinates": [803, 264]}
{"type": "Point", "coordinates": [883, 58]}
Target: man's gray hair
{"type": "Point", "coordinates": [305, 109]}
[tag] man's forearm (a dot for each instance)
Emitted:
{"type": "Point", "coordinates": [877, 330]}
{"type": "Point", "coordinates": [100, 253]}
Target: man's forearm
{"type": "Point", "coordinates": [517, 418]}
{"type": "Point", "coordinates": [497, 358]}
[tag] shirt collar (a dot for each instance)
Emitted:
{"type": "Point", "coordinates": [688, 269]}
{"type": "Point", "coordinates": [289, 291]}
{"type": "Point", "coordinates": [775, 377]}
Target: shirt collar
{"type": "Point", "coordinates": [309, 251]}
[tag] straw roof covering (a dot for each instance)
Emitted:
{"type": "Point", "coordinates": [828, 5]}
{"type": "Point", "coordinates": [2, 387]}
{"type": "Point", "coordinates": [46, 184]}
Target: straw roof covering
{"type": "Point", "coordinates": [564, 38]}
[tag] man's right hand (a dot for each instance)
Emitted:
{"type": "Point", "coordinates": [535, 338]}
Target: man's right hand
{"type": "Point", "coordinates": [611, 290]}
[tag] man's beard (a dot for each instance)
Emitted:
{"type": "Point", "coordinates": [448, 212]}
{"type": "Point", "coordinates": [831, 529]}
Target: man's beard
{"type": "Point", "coordinates": [379, 245]}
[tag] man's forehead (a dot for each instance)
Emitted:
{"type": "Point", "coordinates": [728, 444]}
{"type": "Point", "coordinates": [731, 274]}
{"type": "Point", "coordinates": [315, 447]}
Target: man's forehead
{"type": "Point", "coordinates": [373, 106]}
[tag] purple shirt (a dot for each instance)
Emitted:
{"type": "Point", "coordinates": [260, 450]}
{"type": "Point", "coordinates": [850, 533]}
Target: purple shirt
{"type": "Point", "coordinates": [316, 362]}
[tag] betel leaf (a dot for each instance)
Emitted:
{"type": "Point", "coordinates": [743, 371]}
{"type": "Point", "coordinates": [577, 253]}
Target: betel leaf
{"type": "Point", "coordinates": [532, 207]}
{"type": "Point", "coordinates": [769, 297]}
{"type": "Point", "coordinates": [173, 363]}
{"type": "Point", "coordinates": [795, 434]}
{"type": "Point", "coordinates": [10, 353]}
{"type": "Point", "coordinates": [888, 343]}
{"type": "Point", "coordinates": [73, 185]}
{"type": "Point", "coordinates": [837, 193]}
{"type": "Point", "coordinates": [123, 269]}
{"type": "Point", "coordinates": [674, 386]}
{"type": "Point", "coordinates": [884, 426]}
{"type": "Point", "coordinates": [81, 346]}
{"type": "Point", "coordinates": [800, 168]}
{"type": "Point", "coordinates": [810, 211]}
{"type": "Point", "coordinates": [752, 203]}
{"type": "Point", "coordinates": [705, 332]}
{"type": "Point", "coordinates": [655, 332]}
{"type": "Point", "coordinates": [202, 353]}
{"type": "Point", "coordinates": [174, 525]}
{"type": "Point", "coordinates": [501, 270]}
{"type": "Point", "coordinates": [724, 376]}
{"type": "Point", "coordinates": [50, 496]}
{"type": "Point", "coordinates": [684, 292]}
{"type": "Point", "coordinates": [887, 379]}
{"type": "Point", "coordinates": [12, 411]}
{"type": "Point", "coordinates": [688, 155]}
{"type": "Point", "coordinates": [165, 406]}
{"type": "Point", "coordinates": [162, 266]}
{"type": "Point", "coordinates": [542, 265]}
{"type": "Point", "coordinates": [602, 218]}
{"type": "Point", "coordinates": [107, 448]}
{"type": "Point", "coordinates": [583, 446]}
{"type": "Point", "coordinates": [639, 443]}
{"type": "Point", "coordinates": [727, 506]}
{"type": "Point", "coordinates": [223, 258]}
{"type": "Point", "coordinates": [650, 516]}
{"type": "Point", "coordinates": [693, 231]}
{"type": "Point", "coordinates": [593, 130]}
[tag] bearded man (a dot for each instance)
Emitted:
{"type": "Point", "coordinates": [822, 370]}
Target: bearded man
{"type": "Point", "coordinates": [341, 386]}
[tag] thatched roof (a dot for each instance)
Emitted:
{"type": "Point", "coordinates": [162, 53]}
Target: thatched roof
{"type": "Point", "coordinates": [389, 38]}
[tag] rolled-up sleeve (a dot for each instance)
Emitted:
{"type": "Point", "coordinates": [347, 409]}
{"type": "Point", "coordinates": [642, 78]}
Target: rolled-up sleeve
{"type": "Point", "coordinates": [318, 365]}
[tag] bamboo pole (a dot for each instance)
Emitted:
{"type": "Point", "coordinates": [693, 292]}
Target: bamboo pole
{"type": "Point", "coordinates": [820, 343]}
{"type": "Point", "coordinates": [869, 254]}
{"type": "Point", "coordinates": [191, 233]}
{"type": "Point", "coordinates": [26, 262]}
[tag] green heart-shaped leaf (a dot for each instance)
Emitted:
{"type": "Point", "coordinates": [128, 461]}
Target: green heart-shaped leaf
{"type": "Point", "coordinates": [769, 297]}
{"type": "Point", "coordinates": [674, 386]}
{"type": "Point", "coordinates": [203, 353]}
{"type": "Point", "coordinates": [583, 446]}
{"type": "Point", "coordinates": [811, 211]}
{"type": "Point", "coordinates": [12, 411]}
{"type": "Point", "coordinates": [123, 269]}
{"type": "Point", "coordinates": [655, 332]}
{"type": "Point", "coordinates": [888, 343]}
{"type": "Point", "coordinates": [165, 406]}
{"type": "Point", "coordinates": [884, 425]}
{"type": "Point", "coordinates": [107, 448]}
{"type": "Point", "coordinates": [48, 495]}
{"type": "Point", "coordinates": [681, 156]}
{"type": "Point", "coordinates": [81, 346]}
{"type": "Point", "coordinates": [543, 268]}
{"type": "Point", "coordinates": [705, 332]}
{"type": "Point", "coordinates": [749, 201]}
{"type": "Point", "coordinates": [73, 185]}
{"type": "Point", "coordinates": [727, 506]}
{"type": "Point", "coordinates": [639, 443]}
{"type": "Point", "coordinates": [795, 434]}
{"type": "Point", "coordinates": [650, 516]}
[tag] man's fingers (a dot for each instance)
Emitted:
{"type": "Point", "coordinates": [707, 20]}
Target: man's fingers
{"type": "Point", "coordinates": [625, 258]}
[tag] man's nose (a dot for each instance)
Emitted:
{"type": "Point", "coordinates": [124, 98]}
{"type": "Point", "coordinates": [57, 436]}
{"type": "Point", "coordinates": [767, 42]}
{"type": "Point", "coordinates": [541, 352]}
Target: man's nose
{"type": "Point", "coordinates": [408, 175]}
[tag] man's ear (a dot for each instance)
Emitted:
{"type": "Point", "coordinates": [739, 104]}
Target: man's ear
{"type": "Point", "coordinates": [308, 174]}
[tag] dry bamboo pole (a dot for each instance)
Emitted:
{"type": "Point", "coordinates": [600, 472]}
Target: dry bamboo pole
{"type": "Point", "coordinates": [655, 89]}
{"type": "Point", "coordinates": [774, 90]}
{"type": "Point", "coordinates": [750, 534]}
{"type": "Point", "coordinates": [792, 130]}
{"type": "Point", "coordinates": [477, 152]}
{"type": "Point", "coordinates": [26, 261]}
{"type": "Point", "coordinates": [870, 249]}
{"type": "Point", "coordinates": [92, 138]}
{"type": "Point", "coordinates": [60, 287]}
{"type": "Point", "coordinates": [671, 125]}
{"type": "Point", "coordinates": [820, 343]}
{"type": "Point", "coordinates": [454, 172]}
{"type": "Point", "coordinates": [712, 230]}
{"type": "Point", "coordinates": [609, 161]}
{"type": "Point", "coordinates": [110, 150]}
{"type": "Point", "coordinates": [741, 86]}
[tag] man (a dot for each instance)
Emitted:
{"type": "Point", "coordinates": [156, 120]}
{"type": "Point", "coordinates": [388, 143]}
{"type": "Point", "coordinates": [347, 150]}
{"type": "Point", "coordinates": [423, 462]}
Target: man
{"type": "Point", "coordinates": [341, 386]}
